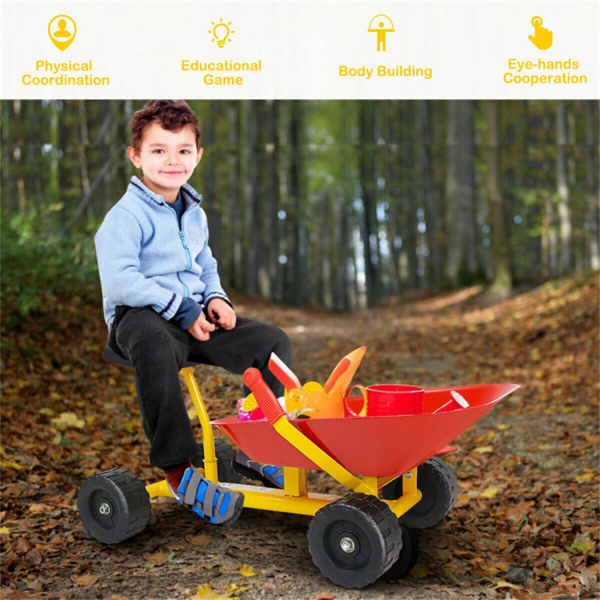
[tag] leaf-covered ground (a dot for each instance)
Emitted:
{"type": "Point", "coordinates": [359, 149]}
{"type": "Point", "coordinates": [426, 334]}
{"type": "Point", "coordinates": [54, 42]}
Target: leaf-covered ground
{"type": "Point", "coordinates": [525, 525]}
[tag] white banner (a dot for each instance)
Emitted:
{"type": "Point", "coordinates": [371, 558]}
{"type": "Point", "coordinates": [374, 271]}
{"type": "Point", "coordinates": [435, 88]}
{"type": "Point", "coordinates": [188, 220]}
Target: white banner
{"type": "Point", "coordinates": [300, 50]}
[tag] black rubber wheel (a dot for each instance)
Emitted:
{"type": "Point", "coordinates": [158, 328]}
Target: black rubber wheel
{"type": "Point", "coordinates": [439, 487]}
{"type": "Point", "coordinates": [225, 454]}
{"type": "Point", "coordinates": [354, 540]}
{"type": "Point", "coordinates": [408, 554]}
{"type": "Point", "coordinates": [113, 506]}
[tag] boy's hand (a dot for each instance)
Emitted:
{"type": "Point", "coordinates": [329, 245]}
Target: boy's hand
{"type": "Point", "coordinates": [201, 328]}
{"type": "Point", "coordinates": [220, 312]}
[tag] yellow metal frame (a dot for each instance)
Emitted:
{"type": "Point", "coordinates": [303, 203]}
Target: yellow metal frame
{"type": "Point", "coordinates": [294, 497]}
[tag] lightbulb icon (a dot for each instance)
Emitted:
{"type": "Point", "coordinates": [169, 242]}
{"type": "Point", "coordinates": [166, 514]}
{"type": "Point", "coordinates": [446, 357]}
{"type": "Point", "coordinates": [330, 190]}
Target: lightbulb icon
{"type": "Point", "coordinates": [221, 32]}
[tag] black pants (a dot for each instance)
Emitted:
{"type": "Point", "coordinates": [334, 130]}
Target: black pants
{"type": "Point", "coordinates": [158, 349]}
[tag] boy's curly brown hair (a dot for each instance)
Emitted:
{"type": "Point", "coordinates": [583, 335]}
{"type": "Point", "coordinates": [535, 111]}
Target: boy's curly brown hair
{"type": "Point", "coordinates": [172, 115]}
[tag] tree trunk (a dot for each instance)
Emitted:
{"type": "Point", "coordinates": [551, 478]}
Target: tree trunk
{"type": "Point", "coordinates": [340, 286]}
{"type": "Point", "coordinates": [564, 208]}
{"type": "Point", "coordinates": [434, 264]}
{"type": "Point", "coordinates": [592, 169]}
{"type": "Point", "coordinates": [295, 287]}
{"type": "Point", "coordinates": [84, 142]}
{"type": "Point", "coordinates": [369, 201]}
{"type": "Point", "coordinates": [502, 282]}
{"type": "Point", "coordinates": [460, 210]}
{"type": "Point", "coordinates": [18, 151]}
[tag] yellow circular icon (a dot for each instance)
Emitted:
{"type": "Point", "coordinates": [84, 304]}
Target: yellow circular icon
{"type": "Point", "coordinates": [62, 30]}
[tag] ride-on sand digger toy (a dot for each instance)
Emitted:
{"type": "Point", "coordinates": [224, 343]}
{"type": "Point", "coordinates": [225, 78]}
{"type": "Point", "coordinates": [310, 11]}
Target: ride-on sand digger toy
{"type": "Point", "coordinates": [390, 463]}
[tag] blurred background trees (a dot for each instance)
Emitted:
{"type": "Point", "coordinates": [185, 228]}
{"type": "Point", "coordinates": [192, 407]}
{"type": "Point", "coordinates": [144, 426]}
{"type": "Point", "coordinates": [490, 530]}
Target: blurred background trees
{"type": "Point", "coordinates": [343, 204]}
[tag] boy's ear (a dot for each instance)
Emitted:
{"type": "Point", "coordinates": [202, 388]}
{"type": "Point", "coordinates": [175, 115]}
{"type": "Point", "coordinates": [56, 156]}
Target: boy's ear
{"type": "Point", "coordinates": [133, 157]}
{"type": "Point", "coordinates": [200, 153]}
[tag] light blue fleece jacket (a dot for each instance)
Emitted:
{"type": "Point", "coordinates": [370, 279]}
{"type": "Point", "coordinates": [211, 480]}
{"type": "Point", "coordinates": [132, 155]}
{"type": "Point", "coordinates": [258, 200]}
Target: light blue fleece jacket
{"type": "Point", "coordinates": [145, 259]}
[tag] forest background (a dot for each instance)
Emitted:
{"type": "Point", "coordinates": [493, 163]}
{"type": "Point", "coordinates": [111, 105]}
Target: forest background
{"type": "Point", "coordinates": [457, 240]}
{"type": "Point", "coordinates": [342, 204]}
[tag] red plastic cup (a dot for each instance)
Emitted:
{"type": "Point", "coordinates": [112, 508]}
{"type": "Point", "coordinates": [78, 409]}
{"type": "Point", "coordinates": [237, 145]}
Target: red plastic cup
{"type": "Point", "coordinates": [385, 400]}
{"type": "Point", "coordinates": [388, 399]}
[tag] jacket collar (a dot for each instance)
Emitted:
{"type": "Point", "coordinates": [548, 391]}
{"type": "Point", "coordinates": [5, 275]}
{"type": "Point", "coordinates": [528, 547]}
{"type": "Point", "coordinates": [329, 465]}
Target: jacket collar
{"type": "Point", "coordinates": [141, 191]}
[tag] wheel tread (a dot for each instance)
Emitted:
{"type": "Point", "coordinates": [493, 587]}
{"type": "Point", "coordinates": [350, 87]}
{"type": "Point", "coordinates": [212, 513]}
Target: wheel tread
{"type": "Point", "coordinates": [135, 495]}
{"type": "Point", "coordinates": [438, 474]}
{"type": "Point", "coordinates": [382, 516]}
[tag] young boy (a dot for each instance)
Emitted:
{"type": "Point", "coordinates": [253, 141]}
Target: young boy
{"type": "Point", "coordinates": [164, 304]}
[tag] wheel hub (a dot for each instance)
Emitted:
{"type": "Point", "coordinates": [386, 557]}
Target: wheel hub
{"type": "Point", "coordinates": [105, 509]}
{"type": "Point", "coordinates": [348, 545]}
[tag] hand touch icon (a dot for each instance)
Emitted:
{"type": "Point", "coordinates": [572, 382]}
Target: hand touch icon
{"type": "Point", "coordinates": [542, 38]}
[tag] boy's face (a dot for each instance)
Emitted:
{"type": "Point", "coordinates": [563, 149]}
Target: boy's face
{"type": "Point", "coordinates": [167, 159]}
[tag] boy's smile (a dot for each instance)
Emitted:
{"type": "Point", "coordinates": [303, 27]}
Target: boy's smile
{"type": "Point", "coordinates": [167, 159]}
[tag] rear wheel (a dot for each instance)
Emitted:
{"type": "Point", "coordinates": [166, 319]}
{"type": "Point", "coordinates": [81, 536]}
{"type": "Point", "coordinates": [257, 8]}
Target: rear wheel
{"type": "Point", "coordinates": [354, 540]}
{"type": "Point", "coordinates": [439, 487]}
{"type": "Point", "coordinates": [408, 554]}
{"type": "Point", "coordinates": [113, 506]}
{"type": "Point", "coordinates": [225, 454]}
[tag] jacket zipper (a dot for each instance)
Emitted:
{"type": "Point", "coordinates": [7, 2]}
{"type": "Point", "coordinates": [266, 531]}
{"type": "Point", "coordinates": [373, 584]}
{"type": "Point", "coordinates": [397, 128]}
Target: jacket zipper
{"type": "Point", "coordinates": [188, 256]}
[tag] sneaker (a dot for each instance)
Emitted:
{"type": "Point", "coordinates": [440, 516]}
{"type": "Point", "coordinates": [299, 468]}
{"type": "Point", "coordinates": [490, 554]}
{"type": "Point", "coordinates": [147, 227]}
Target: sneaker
{"type": "Point", "coordinates": [270, 475]}
{"type": "Point", "coordinates": [212, 502]}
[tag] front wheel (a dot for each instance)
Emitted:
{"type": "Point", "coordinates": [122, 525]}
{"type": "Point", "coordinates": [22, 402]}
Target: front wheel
{"type": "Point", "coordinates": [439, 487]}
{"type": "Point", "coordinates": [354, 540]}
{"type": "Point", "coordinates": [113, 506]}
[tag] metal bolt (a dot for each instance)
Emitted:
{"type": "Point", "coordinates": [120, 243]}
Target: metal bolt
{"type": "Point", "coordinates": [105, 509]}
{"type": "Point", "coordinates": [408, 475]}
{"type": "Point", "coordinates": [347, 544]}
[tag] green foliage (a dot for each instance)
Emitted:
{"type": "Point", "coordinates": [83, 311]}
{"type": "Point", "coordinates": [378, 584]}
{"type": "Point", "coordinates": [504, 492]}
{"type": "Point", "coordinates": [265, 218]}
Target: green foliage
{"type": "Point", "coordinates": [38, 262]}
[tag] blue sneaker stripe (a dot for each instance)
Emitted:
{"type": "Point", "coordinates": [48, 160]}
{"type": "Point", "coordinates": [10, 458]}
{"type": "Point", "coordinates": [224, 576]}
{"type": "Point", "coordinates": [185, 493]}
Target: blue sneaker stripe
{"type": "Point", "coordinates": [225, 504]}
{"type": "Point", "coordinates": [201, 492]}
{"type": "Point", "coordinates": [184, 480]}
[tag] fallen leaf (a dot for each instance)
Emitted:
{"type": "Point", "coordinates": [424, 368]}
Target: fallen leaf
{"type": "Point", "coordinates": [202, 539]}
{"type": "Point", "coordinates": [130, 425]}
{"type": "Point", "coordinates": [158, 558]}
{"type": "Point", "coordinates": [68, 419]}
{"type": "Point", "coordinates": [247, 571]}
{"type": "Point", "coordinates": [580, 545]}
{"type": "Point", "coordinates": [10, 465]}
{"type": "Point", "coordinates": [489, 493]}
{"type": "Point", "coordinates": [419, 572]}
{"type": "Point", "coordinates": [85, 579]}
{"type": "Point", "coordinates": [236, 588]}
{"type": "Point", "coordinates": [205, 592]}
{"type": "Point", "coordinates": [507, 584]}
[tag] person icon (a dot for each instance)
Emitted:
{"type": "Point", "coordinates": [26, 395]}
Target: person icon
{"type": "Point", "coordinates": [65, 34]}
{"type": "Point", "coordinates": [62, 30]}
{"type": "Point", "coordinates": [381, 25]}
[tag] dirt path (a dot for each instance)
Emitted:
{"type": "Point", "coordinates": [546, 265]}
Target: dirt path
{"type": "Point", "coordinates": [525, 525]}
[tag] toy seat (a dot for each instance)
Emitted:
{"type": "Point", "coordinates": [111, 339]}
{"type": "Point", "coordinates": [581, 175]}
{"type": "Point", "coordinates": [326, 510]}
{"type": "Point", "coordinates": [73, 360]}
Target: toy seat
{"type": "Point", "coordinates": [111, 356]}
